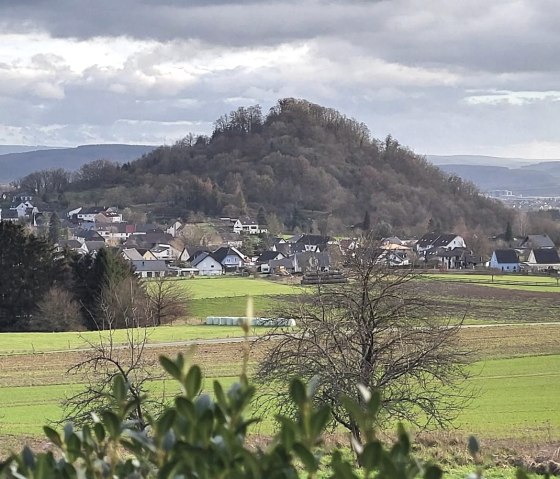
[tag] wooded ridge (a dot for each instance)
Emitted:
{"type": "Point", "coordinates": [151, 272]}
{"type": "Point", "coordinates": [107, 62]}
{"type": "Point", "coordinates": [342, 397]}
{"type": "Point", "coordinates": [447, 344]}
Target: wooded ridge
{"type": "Point", "coordinates": [311, 167]}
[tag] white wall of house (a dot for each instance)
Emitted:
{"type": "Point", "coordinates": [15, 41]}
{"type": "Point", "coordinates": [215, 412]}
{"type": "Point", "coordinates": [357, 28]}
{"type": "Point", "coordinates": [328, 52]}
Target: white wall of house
{"type": "Point", "coordinates": [506, 267]}
{"type": "Point", "coordinates": [209, 267]}
{"type": "Point", "coordinates": [22, 208]}
{"type": "Point", "coordinates": [87, 216]}
{"type": "Point", "coordinates": [458, 242]}
{"type": "Point", "coordinates": [232, 260]}
{"type": "Point", "coordinates": [252, 229]}
{"type": "Point", "coordinates": [74, 212]}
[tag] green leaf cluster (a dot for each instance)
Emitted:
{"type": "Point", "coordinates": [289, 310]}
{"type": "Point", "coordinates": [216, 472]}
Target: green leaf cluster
{"type": "Point", "coordinates": [204, 437]}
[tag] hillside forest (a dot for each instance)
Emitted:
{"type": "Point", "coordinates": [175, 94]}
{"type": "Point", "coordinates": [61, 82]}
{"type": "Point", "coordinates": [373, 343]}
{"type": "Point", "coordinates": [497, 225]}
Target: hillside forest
{"type": "Point", "coordinates": [309, 167]}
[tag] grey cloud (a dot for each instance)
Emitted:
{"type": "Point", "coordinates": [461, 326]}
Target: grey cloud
{"type": "Point", "coordinates": [404, 67]}
{"type": "Point", "coordinates": [497, 36]}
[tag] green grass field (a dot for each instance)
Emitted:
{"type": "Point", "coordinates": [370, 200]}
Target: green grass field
{"type": "Point", "coordinates": [507, 281]}
{"type": "Point", "coordinates": [19, 343]}
{"type": "Point", "coordinates": [222, 296]}
{"type": "Point", "coordinates": [226, 286]}
{"type": "Point", "coordinates": [232, 306]}
{"type": "Point", "coordinates": [518, 397]}
{"type": "Point", "coordinates": [517, 375]}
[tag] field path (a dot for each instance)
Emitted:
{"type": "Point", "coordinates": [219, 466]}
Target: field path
{"type": "Point", "coordinates": [240, 339]}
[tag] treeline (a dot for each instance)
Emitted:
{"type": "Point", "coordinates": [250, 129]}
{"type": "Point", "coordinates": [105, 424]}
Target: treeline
{"type": "Point", "coordinates": [303, 163]}
{"type": "Point", "coordinates": [45, 290]}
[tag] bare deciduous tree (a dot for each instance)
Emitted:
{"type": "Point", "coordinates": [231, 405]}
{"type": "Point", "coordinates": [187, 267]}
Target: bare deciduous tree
{"type": "Point", "coordinates": [57, 311]}
{"type": "Point", "coordinates": [168, 300]}
{"type": "Point", "coordinates": [125, 304]}
{"type": "Point", "coordinates": [377, 330]}
{"type": "Point", "coordinates": [117, 352]}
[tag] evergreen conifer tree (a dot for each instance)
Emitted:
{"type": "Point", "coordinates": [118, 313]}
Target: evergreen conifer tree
{"type": "Point", "coordinates": [508, 235]}
{"type": "Point", "coordinates": [366, 224]}
{"type": "Point", "coordinates": [54, 228]}
{"type": "Point", "coordinates": [261, 217]}
{"type": "Point", "coordinates": [27, 269]}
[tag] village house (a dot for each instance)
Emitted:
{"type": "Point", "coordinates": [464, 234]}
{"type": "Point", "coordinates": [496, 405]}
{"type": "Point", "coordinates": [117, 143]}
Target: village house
{"type": "Point", "coordinates": [247, 225]}
{"type": "Point", "coordinates": [150, 269]}
{"type": "Point", "coordinates": [83, 235]}
{"type": "Point", "coordinates": [168, 252]}
{"type": "Point", "coordinates": [71, 245]}
{"type": "Point", "coordinates": [536, 242]}
{"type": "Point", "coordinates": [108, 217]}
{"type": "Point", "coordinates": [543, 259]}
{"type": "Point", "coordinates": [394, 254]}
{"type": "Point", "coordinates": [25, 209]}
{"type": "Point", "coordinates": [262, 262]}
{"type": "Point", "coordinates": [505, 260]}
{"type": "Point", "coordinates": [431, 241]}
{"type": "Point", "coordinates": [115, 234]}
{"type": "Point", "coordinates": [230, 258]}
{"type": "Point", "coordinates": [9, 215]}
{"type": "Point", "coordinates": [206, 264]}
{"type": "Point", "coordinates": [85, 213]}
{"type": "Point", "coordinates": [174, 229]}
{"type": "Point", "coordinates": [301, 263]}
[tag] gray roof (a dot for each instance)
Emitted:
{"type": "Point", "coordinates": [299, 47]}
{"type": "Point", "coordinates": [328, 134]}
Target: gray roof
{"type": "Point", "coordinates": [506, 256]}
{"type": "Point", "coordinates": [95, 245]}
{"type": "Point", "coordinates": [157, 265]}
{"type": "Point", "coordinates": [90, 210]}
{"type": "Point", "coordinates": [537, 241]}
{"type": "Point", "coordinates": [546, 256]}
{"type": "Point", "coordinates": [9, 214]}
{"type": "Point", "coordinates": [88, 235]}
{"type": "Point", "coordinates": [132, 254]}
{"type": "Point", "coordinates": [436, 239]}
{"type": "Point", "coordinates": [72, 244]}
{"type": "Point", "coordinates": [428, 239]}
{"type": "Point", "coordinates": [266, 256]}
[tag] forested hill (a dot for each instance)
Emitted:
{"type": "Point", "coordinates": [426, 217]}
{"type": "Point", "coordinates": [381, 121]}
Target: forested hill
{"type": "Point", "coordinates": [311, 167]}
{"type": "Point", "coordinates": [304, 161]}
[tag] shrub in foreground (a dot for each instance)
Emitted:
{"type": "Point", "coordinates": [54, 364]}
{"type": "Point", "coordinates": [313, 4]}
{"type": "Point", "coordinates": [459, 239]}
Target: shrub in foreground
{"type": "Point", "coordinates": [206, 438]}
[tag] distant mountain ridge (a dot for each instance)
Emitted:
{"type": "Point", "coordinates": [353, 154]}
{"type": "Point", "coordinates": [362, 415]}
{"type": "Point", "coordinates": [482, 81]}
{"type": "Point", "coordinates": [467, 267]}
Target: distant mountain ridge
{"type": "Point", "coordinates": [15, 165]}
{"type": "Point", "coordinates": [6, 149]}
{"type": "Point", "coordinates": [521, 176]}
{"type": "Point", "coordinates": [479, 160]}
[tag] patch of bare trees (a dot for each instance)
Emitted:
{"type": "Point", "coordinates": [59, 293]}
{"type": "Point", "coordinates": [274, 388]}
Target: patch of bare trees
{"type": "Point", "coordinates": [377, 330]}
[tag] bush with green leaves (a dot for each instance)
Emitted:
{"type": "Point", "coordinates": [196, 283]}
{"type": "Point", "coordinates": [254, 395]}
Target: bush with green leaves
{"type": "Point", "coordinates": [205, 437]}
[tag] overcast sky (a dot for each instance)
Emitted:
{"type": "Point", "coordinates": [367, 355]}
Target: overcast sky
{"type": "Point", "coordinates": [443, 77]}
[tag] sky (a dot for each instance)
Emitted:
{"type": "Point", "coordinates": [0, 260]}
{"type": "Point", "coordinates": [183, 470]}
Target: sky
{"type": "Point", "coordinates": [441, 76]}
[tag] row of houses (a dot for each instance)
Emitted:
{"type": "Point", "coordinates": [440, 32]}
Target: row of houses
{"type": "Point", "coordinates": [532, 253]}
{"type": "Point", "coordinates": [304, 253]}
{"type": "Point", "coordinates": [22, 211]}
